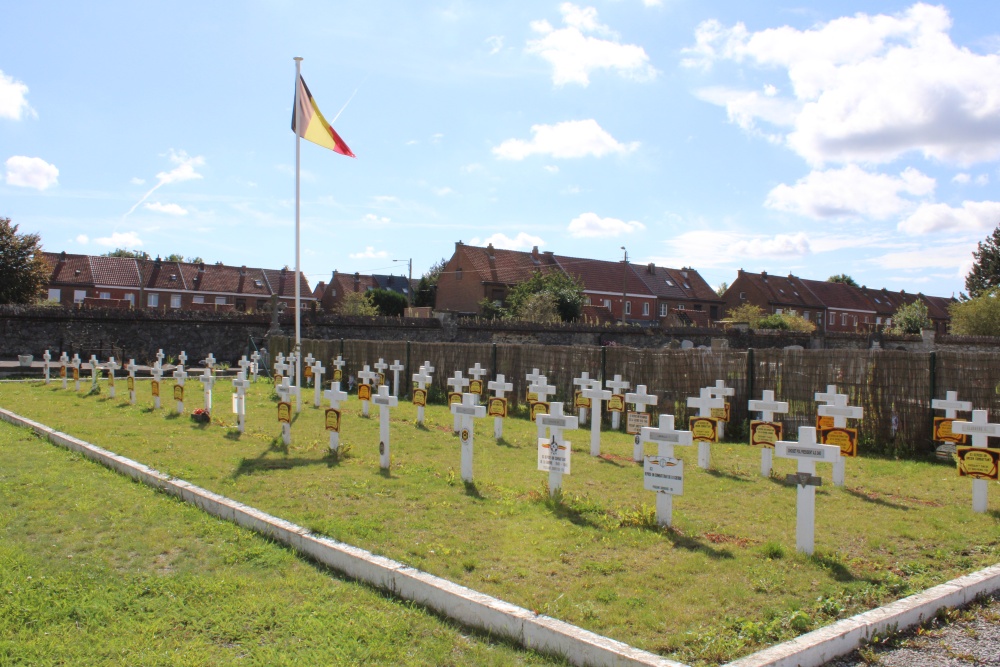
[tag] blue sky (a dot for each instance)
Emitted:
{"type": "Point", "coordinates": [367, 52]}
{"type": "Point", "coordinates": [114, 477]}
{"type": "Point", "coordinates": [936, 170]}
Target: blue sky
{"type": "Point", "coordinates": [814, 137]}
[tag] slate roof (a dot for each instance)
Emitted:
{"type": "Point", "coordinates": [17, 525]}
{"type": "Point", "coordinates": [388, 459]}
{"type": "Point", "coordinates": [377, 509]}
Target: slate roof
{"type": "Point", "coordinates": [678, 284]}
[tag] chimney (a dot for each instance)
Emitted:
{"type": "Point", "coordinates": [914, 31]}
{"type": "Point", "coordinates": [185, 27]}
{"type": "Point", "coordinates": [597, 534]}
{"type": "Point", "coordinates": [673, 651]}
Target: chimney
{"type": "Point", "coordinates": [652, 269]}
{"type": "Point", "coordinates": [534, 254]}
{"type": "Point", "coordinates": [458, 244]}
{"type": "Point", "coordinates": [763, 276]}
{"type": "Point", "coordinates": [62, 257]}
{"type": "Point", "coordinates": [490, 250]}
{"type": "Point", "coordinates": [201, 267]}
{"type": "Point", "coordinates": [684, 273]}
{"type": "Point", "coordinates": [243, 270]}
{"type": "Point", "coordinates": [357, 281]}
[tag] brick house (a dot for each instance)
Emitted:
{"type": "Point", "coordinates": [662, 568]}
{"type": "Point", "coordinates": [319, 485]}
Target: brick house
{"type": "Point", "coordinates": [125, 282]}
{"type": "Point", "coordinates": [775, 295]}
{"type": "Point", "coordinates": [682, 296]}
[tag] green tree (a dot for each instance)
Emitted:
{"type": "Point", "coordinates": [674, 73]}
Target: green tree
{"type": "Point", "coordinates": [978, 316]}
{"type": "Point", "coordinates": [23, 272]}
{"type": "Point", "coordinates": [746, 312]}
{"type": "Point", "coordinates": [787, 321]}
{"type": "Point", "coordinates": [388, 303]}
{"type": "Point", "coordinates": [425, 295]}
{"type": "Point", "coordinates": [843, 278]}
{"type": "Point", "coordinates": [985, 273]}
{"type": "Point", "coordinates": [130, 254]}
{"type": "Point", "coordinates": [721, 289]}
{"type": "Point", "coordinates": [357, 303]}
{"type": "Point", "coordinates": [540, 308]}
{"type": "Point", "coordinates": [566, 290]}
{"type": "Point", "coordinates": [910, 318]}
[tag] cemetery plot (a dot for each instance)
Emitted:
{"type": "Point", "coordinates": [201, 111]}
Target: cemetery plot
{"type": "Point", "coordinates": [596, 557]}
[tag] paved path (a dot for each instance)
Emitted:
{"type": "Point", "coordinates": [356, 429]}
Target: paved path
{"type": "Point", "coordinates": [972, 640]}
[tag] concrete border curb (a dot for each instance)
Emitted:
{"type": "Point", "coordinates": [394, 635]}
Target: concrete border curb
{"type": "Point", "coordinates": [464, 605]}
{"type": "Point", "coordinates": [820, 646]}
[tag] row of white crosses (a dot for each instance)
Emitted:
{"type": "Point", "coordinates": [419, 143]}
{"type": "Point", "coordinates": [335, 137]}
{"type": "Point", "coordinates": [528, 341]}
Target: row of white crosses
{"type": "Point", "coordinates": [836, 406]}
{"type": "Point", "coordinates": [979, 428]}
{"type": "Point", "coordinates": [767, 406]}
{"type": "Point", "coordinates": [640, 399]}
{"type": "Point", "coordinates": [423, 378]}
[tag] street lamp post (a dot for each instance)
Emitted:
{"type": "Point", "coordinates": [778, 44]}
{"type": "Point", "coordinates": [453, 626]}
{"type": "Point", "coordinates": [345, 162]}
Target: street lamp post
{"type": "Point", "coordinates": [409, 281]}
{"type": "Point", "coordinates": [624, 282]}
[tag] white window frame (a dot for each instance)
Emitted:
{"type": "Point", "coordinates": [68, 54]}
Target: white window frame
{"type": "Point", "coordinates": [130, 298]}
{"type": "Point", "coordinates": [664, 309]}
{"type": "Point", "coordinates": [607, 304]}
{"type": "Point", "coordinates": [843, 319]}
{"type": "Point", "coordinates": [153, 300]}
{"type": "Point", "coordinates": [805, 316]}
{"type": "Point", "coordinates": [175, 300]}
{"type": "Point", "coordinates": [105, 295]}
{"type": "Point", "coordinates": [645, 309]}
{"type": "Point", "coordinates": [778, 311]}
{"type": "Point", "coordinates": [55, 294]}
{"type": "Point", "coordinates": [833, 318]}
{"type": "Point", "coordinates": [220, 301]}
{"type": "Point", "coordinates": [198, 298]}
{"type": "Point", "coordinates": [628, 307]}
{"type": "Point", "coordinates": [79, 295]}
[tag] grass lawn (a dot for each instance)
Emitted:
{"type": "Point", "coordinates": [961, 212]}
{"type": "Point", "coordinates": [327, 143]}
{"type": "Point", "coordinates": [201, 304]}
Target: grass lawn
{"type": "Point", "coordinates": [98, 570]}
{"type": "Point", "coordinates": [723, 582]}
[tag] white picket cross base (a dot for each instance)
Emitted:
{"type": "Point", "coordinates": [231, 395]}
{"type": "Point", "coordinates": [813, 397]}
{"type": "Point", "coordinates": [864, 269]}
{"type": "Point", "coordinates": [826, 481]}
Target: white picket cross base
{"type": "Point", "coordinates": [457, 383]}
{"type": "Point", "coordinates": [767, 406]}
{"type": "Point", "coordinates": [596, 395]}
{"type": "Point", "coordinates": [665, 436]}
{"type": "Point", "coordinates": [981, 431]}
{"type": "Point", "coordinates": [384, 400]}
{"type": "Point", "coordinates": [499, 387]}
{"type": "Point", "coordinates": [837, 407]}
{"type": "Point", "coordinates": [705, 402]}
{"type": "Point", "coordinates": [336, 397]}
{"type": "Point", "coordinates": [640, 399]}
{"type": "Point", "coordinates": [555, 421]}
{"type": "Point", "coordinates": [617, 386]}
{"type": "Point", "coordinates": [806, 452]}
{"type": "Point", "coordinates": [468, 410]}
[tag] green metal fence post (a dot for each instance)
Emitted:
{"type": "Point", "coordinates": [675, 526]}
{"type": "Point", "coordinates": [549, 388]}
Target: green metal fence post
{"type": "Point", "coordinates": [751, 371]}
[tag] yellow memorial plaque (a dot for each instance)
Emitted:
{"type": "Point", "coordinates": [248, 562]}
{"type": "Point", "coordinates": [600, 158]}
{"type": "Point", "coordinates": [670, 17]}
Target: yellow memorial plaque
{"type": "Point", "coordinates": [845, 438]}
{"type": "Point", "coordinates": [823, 423]}
{"type": "Point", "coordinates": [338, 375]}
{"type": "Point", "coordinates": [365, 392]}
{"type": "Point", "coordinates": [307, 372]}
{"type": "Point", "coordinates": [178, 392]}
{"type": "Point", "coordinates": [978, 463]}
{"type": "Point", "coordinates": [703, 429]}
{"type": "Point", "coordinates": [333, 420]}
{"type": "Point", "coordinates": [943, 432]}
{"type": "Point", "coordinates": [76, 374]}
{"type": "Point", "coordinates": [381, 379]}
{"type": "Point", "coordinates": [476, 387]}
{"type": "Point", "coordinates": [765, 434]}
{"type": "Point", "coordinates": [285, 412]}
{"type": "Point", "coordinates": [496, 407]}
{"type": "Point", "coordinates": [454, 397]}
{"type": "Point", "coordinates": [62, 371]}
{"type": "Point", "coordinates": [539, 408]}
{"type": "Point", "coordinates": [155, 384]}
{"type": "Point", "coordinates": [722, 414]}
{"type": "Point", "coordinates": [579, 400]}
{"type": "Point", "coordinates": [130, 381]}
{"type": "Point", "coordinates": [420, 397]}
{"type": "Point", "coordinates": [616, 403]}
{"type": "Point", "coordinates": [634, 421]}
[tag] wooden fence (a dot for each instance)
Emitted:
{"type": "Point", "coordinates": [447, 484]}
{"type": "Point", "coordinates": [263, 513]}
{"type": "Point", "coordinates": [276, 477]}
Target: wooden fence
{"type": "Point", "coordinates": [895, 388]}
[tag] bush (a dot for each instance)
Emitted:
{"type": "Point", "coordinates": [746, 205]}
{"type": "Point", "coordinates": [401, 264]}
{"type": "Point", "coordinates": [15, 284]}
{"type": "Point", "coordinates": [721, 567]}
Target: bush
{"type": "Point", "coordinates": [976, 317]}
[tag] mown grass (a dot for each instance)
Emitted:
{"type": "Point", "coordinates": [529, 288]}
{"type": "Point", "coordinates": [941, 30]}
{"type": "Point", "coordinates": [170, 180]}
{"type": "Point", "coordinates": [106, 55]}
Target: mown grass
{"type": "Point", "coordinates": [98, 570]}
{"type": "Point", "coordinates": [726, 580]}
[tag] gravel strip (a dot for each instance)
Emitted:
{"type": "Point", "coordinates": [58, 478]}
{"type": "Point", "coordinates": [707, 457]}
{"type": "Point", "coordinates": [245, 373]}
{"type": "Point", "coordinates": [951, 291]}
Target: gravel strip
{"type": "Point", "coordinates": [970, 639]}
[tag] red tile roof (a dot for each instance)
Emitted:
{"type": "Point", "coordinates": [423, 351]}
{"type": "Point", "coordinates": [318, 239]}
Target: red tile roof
{"type": "Point", "coordinates": [603, 276]}
{"type": "Point", "coordinates": [115, 271]}
{"type": "Point", "coordinates": [840, 295]}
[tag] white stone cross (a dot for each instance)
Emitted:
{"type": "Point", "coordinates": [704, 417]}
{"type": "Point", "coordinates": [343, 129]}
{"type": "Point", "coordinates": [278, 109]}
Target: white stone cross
{"type": "Point", "coordinates": [240, 384]}
{"type": "Point", "coordinates": [837, 407]}
{"type": "Point", "coordinates": [396, 367]}
{"type": "Point", "coordinates": [75, 364]}
{"type": "Point", "coordinates": [245, 365]}
{"type": "Point", "coordinates": [422, 377]}
{"type": "Point", "coordinates": [254, 364]}
{"type": "Point", "coordinates": [46, 358]}
{"type": "Point", "coordinates": [112, 366]}
{"type": "Point", "coordinates": [180, 375]}
{"type": "Point", "coordinates": [63, 362]}
{"type": "Point", "coordinates": [366, 376]}
{"type": "Point", "coordinates": [94, 369]}
{"type": "Point", "coordinates": [951, 405]}
{"type": "Point", "coordinates": [131, 368]}
{"type": "Point", "coordinates": [705, 402]}
{"type": "Point", "coordinates": [427, 367]}
{"type": "Point", "coordinates": [309, 360]}
{"type": "Point", "coordinates": [160, 356]}
{"type": "Point", "coordinates": [476, 384]}
{"type": "Point", "coordinates": [380, 366]}
{"type": "Point", "coordinates": [317, 370]}
{"type": "Point", "coordinates": [499, 387]}
{"type": "Point", "coordinates": [157, 372]}
{"type": "Point", "coordinates": [617, 386]}
{"type": "Point", "coordinates": [384, 400]}
{"type": "Point", "coordinates": [806, 452]}
{"type": "Point", "coordinates": [720, 390]}
{"type": "Point", "coordinates": [468, 410]}
{"type": "Point", "coordinates": [981, 431]}
{"type": "Point", "coordinates": [583, 382]}
{"type": "Point", "coordinates": [457, 383]}
{"type": "Point", "coordinates": [664, 473]}
{"type": "Point", "coordinates": [182, 358]}
{"type": "Point", "coordinates": [554, 452]}
{"type": "Point", "coordinates": [640, 399]}
{"type": "Point", "coordinates": [207, 381]}
{"type": "Point", "coordinates": [336, 397]}
{"type": "Point", "coordinates": [338, 368]}
{"type": "Point", "coordinates": [767, 406]}
{"type": "Point", "coordinates": [533, 376]}
{"type": "Point", "coordinates": [285, 391]}
{"type": "Point", "coordinates": [541, 390]}
{"type": "Point", "coordinates": [596, 395]}
{"type": "Point", "coordinates": [292, 362]}
{"type": "Point", "coordinates": [209, 361]}
{"type": "Point", "coordinates": [281, 370]}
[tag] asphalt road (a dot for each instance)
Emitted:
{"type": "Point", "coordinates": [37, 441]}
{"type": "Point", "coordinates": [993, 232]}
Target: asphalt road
{"type": "Point", "coordinates": [970, 638]}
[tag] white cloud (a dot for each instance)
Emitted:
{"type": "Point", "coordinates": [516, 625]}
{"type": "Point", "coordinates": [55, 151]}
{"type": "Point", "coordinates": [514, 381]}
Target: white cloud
{"type": "Point", "coordinates": [591, 225]}
{"type": "Point", "coordinates": [372, 218]}
{"type": "Point", "coordinates": [522, 241]}
{"type": "Point", "coordinates": [169, 209]}
{"type": "Point", "coordinates": [13, 104]}
{"type": "Point", "coordinates": [850, 191]}
{"type": "Point", "coordinates": [716, 249]}
{"type": "Point", "coordinates": [568, 139]}
{"type": "Point", "coordinates": [653, 3]}
{"type": "Point", "coordinates": [961, 178]}
{"type": "Point", "coordinates": [871, 88]}
{"type": "Point", "coordinates": [983, 179]}
{"type": "Point", "coordinates": [495, 42]}
{"type": "Point", "coordinates": [956, 257]}
{"type": "Point", "coordinates": [551, 168]}
{"type": "Point", "coordinates": [436, 138]}
{"type": "Point", "coordinates": [31, 172]}
{"type": "Point", "coordinates": [185, 170]}
{"type": "Point", "coordinates": [369, 253]}
{"type": "Point", "coordinates": [137, 181]}
{"type": "Point", "coordinates": [574, 55]}
{"type": "Point", "coordinates": [972, 216]}
{"type": "Point", "coordinates": [443, 191]}
{"type": "Point", "coordinates": [472, 168]}
{"type": "Point", "coordinates": [82, 239]}
{"type": "Point", "coordinates": [746, 107]}
{"type": "Point", "coordinates": [120, 240]}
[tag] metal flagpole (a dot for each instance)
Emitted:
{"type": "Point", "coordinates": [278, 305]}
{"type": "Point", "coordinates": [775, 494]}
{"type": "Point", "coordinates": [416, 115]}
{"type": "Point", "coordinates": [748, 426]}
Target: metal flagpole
{"type": "Point", "coordinates": [298, 281]}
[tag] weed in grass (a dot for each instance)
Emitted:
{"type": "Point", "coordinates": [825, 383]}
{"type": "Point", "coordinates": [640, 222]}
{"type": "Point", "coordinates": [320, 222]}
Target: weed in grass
{"type": "Point", "coordinates": [772, 550]}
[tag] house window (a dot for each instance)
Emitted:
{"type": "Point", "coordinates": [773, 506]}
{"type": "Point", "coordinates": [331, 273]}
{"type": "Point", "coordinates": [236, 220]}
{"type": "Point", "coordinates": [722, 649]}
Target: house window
{"type": "Point", "coordinates": [607, 304]}
{"type": "Point", "coordinates": [778, 311]}
{"type": "Point", "coordinates": [220, 301]}
{"type": "Point", "coordinates": [79, 295]}
{"type": "Point", "coordinates": [878, 320]}
{"type": "Point", "coordinates": [713, 312]}
{"type": "Point", "coordinates": [855, 321]}
{"type": "Point", "coordinates": [805, 315]}
{"type": "Point", "coordinates": [843, 319]}
{"type": "Point", "coordinates": [697, 307]}
{"type": "Point", "coordinates": [743, 296]}
{"type": "Point", "coordinates": [586, 300]}
{"type": "Point", "coordinates": [628, 307]}
{"type": "Point", "coordinates": [681, 306]}
{"type": "Point", "coordinates": [131, 300]}
{"type": "Point", "coordinates": [241, 305]}
{"type": "Point", "coordinates": [663, 309]}
{"type": "Point", "coordinates": [261, 304]}
{"type": "Point", "coordinates": [105, 295]}
{"type": "Point", "coordinates": [833, 317]}
{"type": "Point", "coordinates": [175, 300]}
{"type": "Point", "coordinates": [199, 298]}
{"type": "Point", "coordinates": [54, 294]}
{"type": "Point", "coordinates": [153, 300]}
{"type": "Point", "coordinates": [866, 320]}
{"type": "Point", "coordinates": [645, 309]}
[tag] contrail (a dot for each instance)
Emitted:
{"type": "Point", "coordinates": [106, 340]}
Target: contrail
{"type": "Point", "coordinates": [348, 101]}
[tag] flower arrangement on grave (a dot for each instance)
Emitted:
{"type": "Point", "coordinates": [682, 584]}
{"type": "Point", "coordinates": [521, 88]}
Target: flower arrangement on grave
{"type": "Point", "coordinates": [201, 415]}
